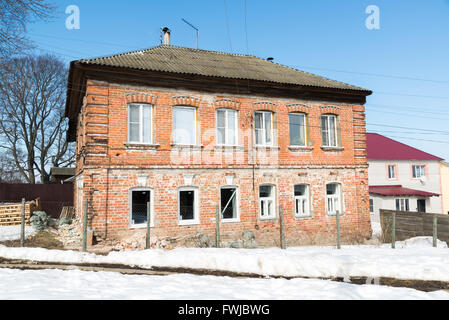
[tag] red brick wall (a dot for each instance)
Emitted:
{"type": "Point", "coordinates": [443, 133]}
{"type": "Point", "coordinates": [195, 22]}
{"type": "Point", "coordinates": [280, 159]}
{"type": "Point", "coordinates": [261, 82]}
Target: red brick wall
{"type": "Point", "coordinates": [109, 167]}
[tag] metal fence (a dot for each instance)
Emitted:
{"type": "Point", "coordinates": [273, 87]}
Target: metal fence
{"type": "Point", "coordinates": [53, 196]}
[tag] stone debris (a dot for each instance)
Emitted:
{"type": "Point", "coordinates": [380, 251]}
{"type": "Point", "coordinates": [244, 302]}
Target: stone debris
{"type": "Point", "coordinates": [70, 235]}
{"type": "Point", "coordinates": [138, 242]}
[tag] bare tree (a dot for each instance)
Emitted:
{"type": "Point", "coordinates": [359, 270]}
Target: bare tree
{"type": "Point", "coordinates": [8, 170]}
{"type": "Point", "coordinates": [32, 123]}
{"type": "Point", "coordinates": [14, 16]}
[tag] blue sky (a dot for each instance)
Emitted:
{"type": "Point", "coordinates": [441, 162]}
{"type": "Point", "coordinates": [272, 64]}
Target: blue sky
{"type": "Point", "coordinates": [405, 63]}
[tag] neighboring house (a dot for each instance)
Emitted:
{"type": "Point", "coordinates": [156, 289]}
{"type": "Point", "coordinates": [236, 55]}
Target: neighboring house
{"type": "Point", "coordinates": [444, 167]}
{"type": "Point", "coordinates": [402, 177]}
{"type": "Point", "coordinates": [188, 130]}
{"type": "Point", "coordinates": [62, 175]}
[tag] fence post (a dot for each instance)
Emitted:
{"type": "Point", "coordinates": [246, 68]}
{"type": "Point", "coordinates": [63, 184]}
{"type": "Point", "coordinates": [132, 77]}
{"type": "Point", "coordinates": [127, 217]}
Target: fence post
{"type": "Point", "coordinates": [393, 231]}
{"type": "Point", "coordinates": [148, 246]}
{"type": "Point", "coordinates": [281, 222]}
{"type": "Point", "coordinates": [85, 226]}
{"type": "Point", "coordinates": [337, 217]}
{"type": "Point", "coordinates": [435, 230]}
{"type": "Point", "coordinates": [217, 226]}
{"type": "Point", "coordinates": [22, 227]}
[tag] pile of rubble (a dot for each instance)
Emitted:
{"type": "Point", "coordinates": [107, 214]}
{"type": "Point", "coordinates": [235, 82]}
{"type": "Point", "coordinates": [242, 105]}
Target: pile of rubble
{"type": "Point", "coordinates": [70, 234]}
{"type": "Point", "coordinates": [138, 242]}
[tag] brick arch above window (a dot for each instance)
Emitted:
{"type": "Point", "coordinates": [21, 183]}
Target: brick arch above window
{"type": "Point", "coordinates": [141, 97]}
{"type": "Point", "coordinates": [186, 101]}
{"type": "Point", "coordinates": [298, 107]}
{"type": "Point", "coordinates": [265, 106]}
{"type": "Point", "coordinates": [330, 110]}
{"type": "Point", "coordinates": [226, 103]}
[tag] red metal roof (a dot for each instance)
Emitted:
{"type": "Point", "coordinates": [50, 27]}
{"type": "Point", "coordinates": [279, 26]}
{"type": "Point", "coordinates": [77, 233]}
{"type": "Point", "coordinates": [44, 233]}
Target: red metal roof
{"type": "Point", "coordinates": [398, 190]}
{"type": "Point", "coordinates": [380, 147]}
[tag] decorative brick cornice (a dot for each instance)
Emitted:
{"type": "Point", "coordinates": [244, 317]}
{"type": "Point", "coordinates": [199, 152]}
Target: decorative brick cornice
{"type": "Point", "coordinates": [141, 97]}
{"type": "Point", "coordinates": [298, 107]}
{"type": "Point", "coordinates": [226, 103]}
{"type": "Point", "coordinates": [185, 101]}
{"type": "Point", "coordinates": [330, 109]}
{"type": "Point", "coordinates": [265, 105]}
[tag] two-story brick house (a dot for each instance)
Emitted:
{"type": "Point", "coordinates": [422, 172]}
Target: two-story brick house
{"type": "Point", "coordinates": [188, 129]}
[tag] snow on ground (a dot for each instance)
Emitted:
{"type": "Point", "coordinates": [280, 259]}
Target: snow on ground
{"type": "Point", "coordinates": [412, 259]}
{"type": "Point", "coordinates": [13, 232]}
{"type": "Point", "coordinates": [75, 284]}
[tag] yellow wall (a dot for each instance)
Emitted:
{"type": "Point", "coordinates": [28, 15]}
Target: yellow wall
{"type": "Point", "coordinates": [445, 186]}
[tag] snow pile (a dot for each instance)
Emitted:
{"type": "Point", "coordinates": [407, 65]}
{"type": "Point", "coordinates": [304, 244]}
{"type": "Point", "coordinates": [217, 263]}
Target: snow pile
{"type": "Point", "coordinates": [8, 233]}
{"type": "Point", "coordinates": [413, 259]}
{"type": "Point", "coordinates": [420, 242]}
{"type": "Point", "coordinates": [75, 284]}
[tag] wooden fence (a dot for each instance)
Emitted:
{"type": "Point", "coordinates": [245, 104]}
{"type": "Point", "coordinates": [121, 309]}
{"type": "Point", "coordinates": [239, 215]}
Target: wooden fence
{"type": "Point", "coordinates": [413, 224]}
{"type": "Point", "coordinates": [11, 214]}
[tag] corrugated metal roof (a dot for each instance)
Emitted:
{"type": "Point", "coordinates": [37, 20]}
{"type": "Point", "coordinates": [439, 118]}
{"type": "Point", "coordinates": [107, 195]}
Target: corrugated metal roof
{"type": "Point", "coordinates": [167, 58]}
{"type": "Point", "coordinates": [398, 190]}
{"type": "Point", "coordinates": [383, 148]}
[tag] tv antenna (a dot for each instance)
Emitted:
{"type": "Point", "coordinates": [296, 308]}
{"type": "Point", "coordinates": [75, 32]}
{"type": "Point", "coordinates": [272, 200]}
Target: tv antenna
{"type": "Point", "coordinates": [193, 27]}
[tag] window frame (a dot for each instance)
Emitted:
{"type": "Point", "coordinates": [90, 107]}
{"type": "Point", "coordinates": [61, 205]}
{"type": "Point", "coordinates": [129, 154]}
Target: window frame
{"type": "Point", "coordinates": [196, 213]}
{"type": "Point", "coordinates": [338, 196]}
{"type": "Point", "coordinates": [264, 129]}
{"type": "Point", "coordinates": [237, 205]}
{"type": "Point", "coordinates": [272, 199]}
{"type": "Point", "coordinates": [130, 216]}
{"type": "Point", "coordinates": [395, 166]}
{"type": "Point", "coordinates": [414, 171]}
{"type": "Point", "coordinates": [227, 110]}
{"type": "Point", "coordinates": [141, 127]}
{"type": "Point", "coordinates": [402, 203]}
{"type": "Point", "coordinates": [195, 125]}
{"type": "Point", "coordinates": [306, 197]}
{"type": "Point", "coordinates": [328, 131]}
{"type": "Point", "coordinates": [371, 205]}
{"type": "Point", "coordinates": [304, 115]}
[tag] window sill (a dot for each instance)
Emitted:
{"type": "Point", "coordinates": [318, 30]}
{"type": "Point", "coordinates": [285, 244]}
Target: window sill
{"type": "Point", "coordinates": [265, 148]}
{"type": "Point", "coordinates": [140, 226]}
{"type": "Point", "coordinates": [228, 148]}
{"type": "Point", "coordinates": [187, 147]}
{"type": "Point", "coordinates": [334, 215]}
{"type": "Point", "coordinates": [267, 218]}
{"type": "Point", "coordinates": [141, 146]}
{"type": "Point", "coordinates": [188, 223]}
{"type": "Point", "coordinates": [308, 216]}
{"type": "Point", "coordinates": [300, 148]}
{"type": "Point", "coordinates": [230, 220]}
{"type": "Point", "coordinates": [332, 148]}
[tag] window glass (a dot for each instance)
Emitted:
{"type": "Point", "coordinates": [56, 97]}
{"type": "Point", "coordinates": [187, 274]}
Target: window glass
{"type": "Point", "coordinates": [267, 205]}
{"type": "Point", "coordinates": [392, 172]}
{"type": "Point", "coordinates": [264, 128]}
{"type": "Point", "coordinates": [140, 123]}
{"type": "Point", "coordinates": [139, 200]}
{"type": "Point", "coordinates": [187, 204]}
{"type": "Point", "coordinates": [333, 198]}
{"type": "Point", "coordinates": [184, 125]}
{"type": "Point", "coordinates": [302, 200]}
{"type": "Point", "coordinates": [297, 129]}
{"type": "Point", "coordinates": [226, 127]}
{"type": "Point", "coordinates": [329, 130]}
{"type": "Point", "coordinates": [228, 203]}
{"type": "Point", "coordinates": [419, 171]}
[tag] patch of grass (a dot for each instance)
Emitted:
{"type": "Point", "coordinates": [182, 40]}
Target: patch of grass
{"type": "Point", "coordinates": [43, 239]}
